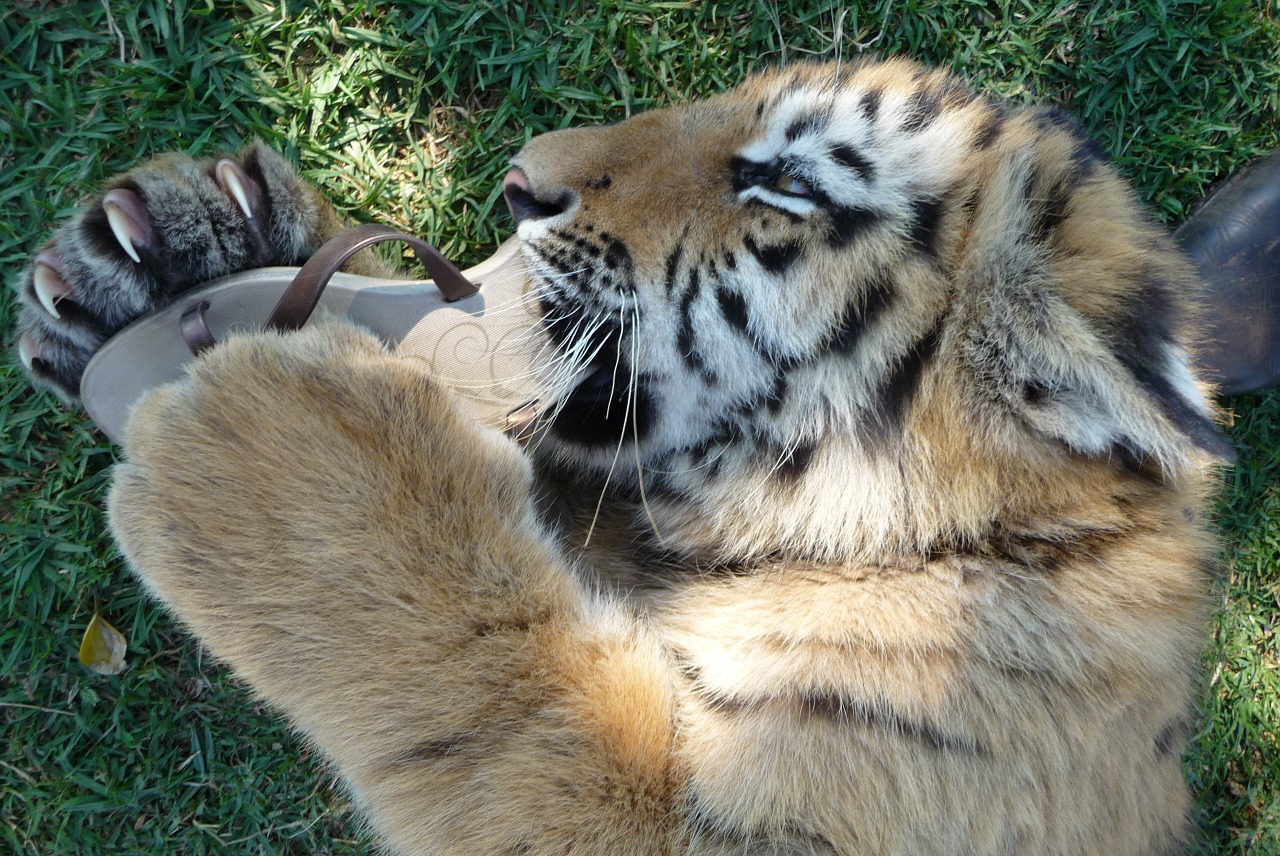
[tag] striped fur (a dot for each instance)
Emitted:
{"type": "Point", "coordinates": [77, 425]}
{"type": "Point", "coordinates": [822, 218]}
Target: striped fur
{"type": "Point", "coordinates": [866, 515]}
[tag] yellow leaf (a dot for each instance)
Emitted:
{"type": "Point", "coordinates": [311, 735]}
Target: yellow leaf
{"type": "Point", "coordinates": [102, 648]}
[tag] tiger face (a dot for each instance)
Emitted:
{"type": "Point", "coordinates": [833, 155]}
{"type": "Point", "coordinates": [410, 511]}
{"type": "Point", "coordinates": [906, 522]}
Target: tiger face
{"type": "Point", "coordinates": [851, 309]}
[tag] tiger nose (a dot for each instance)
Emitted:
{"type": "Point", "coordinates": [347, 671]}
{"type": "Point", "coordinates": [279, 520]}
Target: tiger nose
{"type": "Point", "coordinates": [528, 203]}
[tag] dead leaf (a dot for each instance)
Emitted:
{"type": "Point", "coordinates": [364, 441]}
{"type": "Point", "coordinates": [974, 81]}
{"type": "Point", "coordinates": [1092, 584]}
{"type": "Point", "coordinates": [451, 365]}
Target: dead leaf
{"type": "Point", "coordinates": [102, 648]}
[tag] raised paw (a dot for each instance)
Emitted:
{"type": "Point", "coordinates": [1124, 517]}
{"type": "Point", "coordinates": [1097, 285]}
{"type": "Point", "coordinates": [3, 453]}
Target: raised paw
{"type": "Point", "coordinates": [155, 232]}
{"type": "Point", "coordinates": [322, 429]}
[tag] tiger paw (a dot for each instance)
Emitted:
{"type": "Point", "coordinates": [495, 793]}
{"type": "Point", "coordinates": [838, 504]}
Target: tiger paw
{"type": "Point", "coordinates": [155, 232]}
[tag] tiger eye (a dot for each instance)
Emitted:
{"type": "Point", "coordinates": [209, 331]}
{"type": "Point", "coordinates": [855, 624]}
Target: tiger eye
{"type": "Point", "coordinates": [792, 186]}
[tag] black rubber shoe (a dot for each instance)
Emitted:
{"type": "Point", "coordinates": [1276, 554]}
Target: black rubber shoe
{"type": "Point", "coordinates": [1235, 239]}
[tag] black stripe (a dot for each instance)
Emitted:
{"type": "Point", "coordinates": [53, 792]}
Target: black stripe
{"type": "Point", "coordinates": [922, 109]}
{"type": "Point", "coordinates": [850, 158]}
{"type": "Point", "coordinates": [1049, 119]}
{"type": "Point", "coordinates": [722, 434]}
{"type": "Point", "coordinates": [795, 463]}
{"type": "Point", "coordinates": [859, 315]}
{"type": "Point", "coordinates": [616, 255]}
{"type": "Point", "coordinates": [843, 711]}
{"type": "Point", "coordinates": [1197, 427]}
{"type": "Point", "coordinates": [774, 258]}
{"type": "Point", "coordinates": [1135, 459]}
{"type": "Point", "coordinates": [870, 104]}
{"type": "Point", "coordinates": [1142, 335]}
{"type": "Point", "coordinates": [882, 718]}
{"type": "Point", "coordinates": [847, 223]}
{"type": "Point", "coordinates": [1169, 742]}
{"type": "Point", "coordinates": [1051, 212]}
{"type": "Point", "coordinates": [431, 750]}
{"type": "Point", "coordinates": [899, 388]}
{"type": "Point", "coordinates": [684, 334]}
{"type": "Point", "coordinates": [1045, 554]}
{"type": "Point", "coordinates": [734, 309]}
{"type": "Point", "coordinates": [568, 264]}
{"type": "Point", "coordinates": [777, 396]}
{"type": "Point", "coordinates": [990, 130]}
{"type": "Point", "coordinates": [814, 123]}
{"type": "Point", "coordinates": [673, 267]}
{"type": "Point", "coordinates": [927, 215]}
{"type": "Point", "coordinates": [955, 94]}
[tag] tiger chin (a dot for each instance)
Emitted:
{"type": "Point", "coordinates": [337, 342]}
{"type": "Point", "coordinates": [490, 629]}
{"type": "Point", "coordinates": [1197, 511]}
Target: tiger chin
{"type": "Point", "coordinates": [867, 512]}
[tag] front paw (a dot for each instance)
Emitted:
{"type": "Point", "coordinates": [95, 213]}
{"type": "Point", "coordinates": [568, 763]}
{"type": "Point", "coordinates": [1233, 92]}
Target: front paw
{"type": "Point", "coordinates": [293, 444]}
{"type": "Point", "coordinates": [156, 231]}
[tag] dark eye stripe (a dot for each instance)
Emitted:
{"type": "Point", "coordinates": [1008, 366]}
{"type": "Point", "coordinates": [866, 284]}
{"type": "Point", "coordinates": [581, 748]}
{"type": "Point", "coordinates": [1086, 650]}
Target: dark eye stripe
{"type": "Point", "coordinates": [748, 174]}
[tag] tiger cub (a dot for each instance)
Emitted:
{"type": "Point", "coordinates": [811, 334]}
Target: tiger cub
{"type": "Point", "coordinates": [865, 513]}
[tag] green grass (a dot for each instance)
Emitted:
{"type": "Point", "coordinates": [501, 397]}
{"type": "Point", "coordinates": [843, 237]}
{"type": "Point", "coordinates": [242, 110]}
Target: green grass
{"type": "Point", "coordinates": [406, 113]}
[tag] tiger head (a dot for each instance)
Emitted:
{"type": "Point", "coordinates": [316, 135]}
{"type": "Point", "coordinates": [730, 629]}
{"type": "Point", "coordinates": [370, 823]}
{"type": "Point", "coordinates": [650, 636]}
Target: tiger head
{"type": "Point", "coordinates": [845, 310]}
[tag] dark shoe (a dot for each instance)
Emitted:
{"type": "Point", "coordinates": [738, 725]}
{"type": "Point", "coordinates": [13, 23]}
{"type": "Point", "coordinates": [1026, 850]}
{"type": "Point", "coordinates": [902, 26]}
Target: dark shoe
{"type": "Point", "coordinates": [1235, 239]}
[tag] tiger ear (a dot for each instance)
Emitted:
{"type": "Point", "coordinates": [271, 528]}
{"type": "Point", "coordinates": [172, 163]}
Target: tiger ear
{"type": "Point", "coordinates": [1133, 401]}
{"type": "Point", "coordinates": [1113, 384]}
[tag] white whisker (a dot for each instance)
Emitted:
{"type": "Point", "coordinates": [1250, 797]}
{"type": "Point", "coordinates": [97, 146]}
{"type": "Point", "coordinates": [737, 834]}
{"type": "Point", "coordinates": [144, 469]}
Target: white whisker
{"type": "Point", "coordinates": [635, 426]}
{"type": "Point", "coordinates": [613, 385]}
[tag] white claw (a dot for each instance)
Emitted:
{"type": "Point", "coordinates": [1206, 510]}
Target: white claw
{"type": "Point", "coordinates": [121, 226]}
{"type": "Point", "coordinates": [229, 177]}
{"type": "Point", "coordinates": [49, 288]}
{"type": "Point", "coordinates": [26, 351]}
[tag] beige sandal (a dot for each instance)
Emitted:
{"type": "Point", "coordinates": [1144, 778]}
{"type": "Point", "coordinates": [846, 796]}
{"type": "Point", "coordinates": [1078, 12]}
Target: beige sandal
{"type": "Point", "coordinates": [473, 328]}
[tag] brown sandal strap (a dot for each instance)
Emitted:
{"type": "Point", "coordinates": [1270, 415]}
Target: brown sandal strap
{"type": "Point", "coordinates": [195, 329]}
{"type": "Point", "coordinates": [300, 298]}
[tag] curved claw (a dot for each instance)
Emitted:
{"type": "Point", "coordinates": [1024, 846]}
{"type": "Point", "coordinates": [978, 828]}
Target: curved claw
{"type": "Point", "coordinates": [127, 216]}
{"type": "Point", "coordinates": [237, 184]}
{"type": "Point", "coordinates": [47, 281]}
{"type": "Point", "coordinates": [28, 351]}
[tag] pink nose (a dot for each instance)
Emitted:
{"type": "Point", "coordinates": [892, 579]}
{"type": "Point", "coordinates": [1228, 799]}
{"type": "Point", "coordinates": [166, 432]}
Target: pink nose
{"type": "Point", "coordinates": [527, 203]}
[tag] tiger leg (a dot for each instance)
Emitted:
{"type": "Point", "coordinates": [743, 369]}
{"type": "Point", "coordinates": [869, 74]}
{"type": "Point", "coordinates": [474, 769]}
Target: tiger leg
{"type": "Point", "coordinates": [327, 522]}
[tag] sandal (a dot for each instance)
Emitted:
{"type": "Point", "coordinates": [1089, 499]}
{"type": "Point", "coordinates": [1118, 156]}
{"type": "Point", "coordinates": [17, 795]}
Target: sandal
{"type": "Point", "coordinates": [478, 342]}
